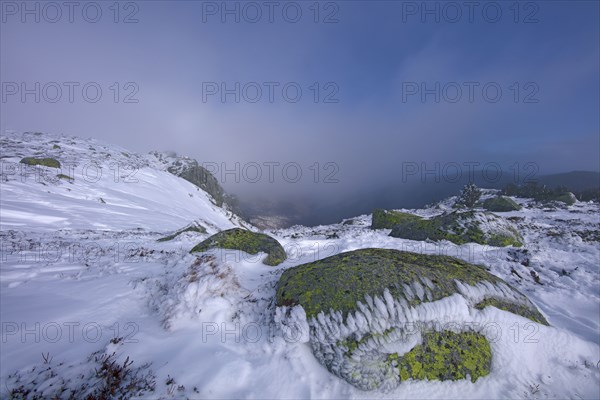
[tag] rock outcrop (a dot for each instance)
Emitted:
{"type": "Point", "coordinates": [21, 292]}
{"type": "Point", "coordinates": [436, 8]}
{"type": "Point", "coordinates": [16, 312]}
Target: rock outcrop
{"type": "Point", "coordinates": [376, 317]}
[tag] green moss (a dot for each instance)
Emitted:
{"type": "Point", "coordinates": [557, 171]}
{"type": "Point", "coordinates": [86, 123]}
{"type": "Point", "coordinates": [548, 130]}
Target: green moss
{"type": "Point", "coordinates": [339, 281]}
{"type": "Point", "coordinates": [500, 240]}
{"type": "Point", "coordinates": [349, 344]}
{"type": "Point", "coordinates": [55, 147]}
{"type": "Point", "coordinates": [386, 219]}
{"type": "Point", "coordinates": [63, 176]}
{"type": "Point", "coordinates": [404, 374]}
{"type": "Point", "coordinates": [501, 204]}
{"type": "Point", "coordinates": [447, 356]}
{"type": "Point", "coordinates": [248, 241]}
{"type": "Point", "coordinates": [46, 162]}
{"type": "Point", "coordinates": [514, 308]}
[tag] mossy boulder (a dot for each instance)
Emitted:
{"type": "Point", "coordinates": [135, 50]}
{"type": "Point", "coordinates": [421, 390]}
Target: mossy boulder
{"type": "Point", "coordinates": [388, 219]}
{"type": "Point", "coordinates": [193, 227]}
{"type": "Point", "coordinates": [45, 162]}
{"type": "Point", "coordinates": [369, 313]}
{"type": "Point", "coordinates": [501, 204]}
{"type": "Point", "coordinates": [460, 227]}
{"type": "Point", "coordinates": [568, 198]}
{"type": "Point", "coordinates": [247, 241]}
{"type": "Point", "coordinates": [340, 281]}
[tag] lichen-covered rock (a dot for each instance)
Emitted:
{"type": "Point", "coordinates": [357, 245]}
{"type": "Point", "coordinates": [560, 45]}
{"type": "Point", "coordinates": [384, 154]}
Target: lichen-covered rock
{"type": "Point", "coordinates": [374, 314]}
{"type": "Point", "coordinates": [568, 198]}
{"type": "Point", "coordinates": [45, 162]}
{"type": "Point", "coordinates": [460, 228]}
{"type": "Point", "coordinates": [245, 240]}
{"type": "Point", "coordinates": [501, 204]}
{"type": "Point", "coordinates": [388, 219]}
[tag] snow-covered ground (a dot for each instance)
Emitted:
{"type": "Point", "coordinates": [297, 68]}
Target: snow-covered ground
{"type": "Point", "coordinates": [81, 266]}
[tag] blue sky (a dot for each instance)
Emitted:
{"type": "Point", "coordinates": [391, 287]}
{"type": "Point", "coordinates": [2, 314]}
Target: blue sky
{"type": "Point", "coordinates": [370, 57]}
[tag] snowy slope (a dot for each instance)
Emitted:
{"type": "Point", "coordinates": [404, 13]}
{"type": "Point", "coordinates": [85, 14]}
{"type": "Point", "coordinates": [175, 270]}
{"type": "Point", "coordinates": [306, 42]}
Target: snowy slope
{"type": "Point", "coordinates": [111, 189]}
{"type": "Point", "coordinates": [77, 272]}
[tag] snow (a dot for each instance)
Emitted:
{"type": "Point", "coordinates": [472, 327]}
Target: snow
{"type": "Point", "coordinates": [77, 272]}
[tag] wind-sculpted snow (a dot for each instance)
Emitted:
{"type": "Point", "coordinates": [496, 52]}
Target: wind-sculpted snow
{"type": "Point", "coordinates": [363, 306]}
{"type": "Point", "coordinates": [205, 283]}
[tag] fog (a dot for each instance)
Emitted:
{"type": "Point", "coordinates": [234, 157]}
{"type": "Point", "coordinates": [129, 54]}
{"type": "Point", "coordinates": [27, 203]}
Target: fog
{"type": "Point", "coordinates": [339, 102]}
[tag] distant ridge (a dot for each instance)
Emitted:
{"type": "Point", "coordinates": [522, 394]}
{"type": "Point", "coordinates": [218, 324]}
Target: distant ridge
{"type": "Point", "coordinates": [574, 180]}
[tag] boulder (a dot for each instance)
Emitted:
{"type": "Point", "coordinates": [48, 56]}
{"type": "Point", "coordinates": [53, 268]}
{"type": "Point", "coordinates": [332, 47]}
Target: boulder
{"type": "Point", "coordinates": [46, 162]}
{"type": "Point", "coordinates": [501, 204]}
{"type": "Point", "coordinates": [460, 227]}
{"type": "Point", "coordinates": [369, 315]}
{"type": "Point", "coordinates": [388, 219]}
{"type": "Point", "coordinates": [568, 198]}
{"type": "Point", "coordinates": [247, 241]}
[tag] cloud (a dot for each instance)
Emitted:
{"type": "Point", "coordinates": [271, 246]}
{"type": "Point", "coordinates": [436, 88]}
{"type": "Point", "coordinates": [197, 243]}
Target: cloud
{"type": "Point", "coordinates": [370, 57]}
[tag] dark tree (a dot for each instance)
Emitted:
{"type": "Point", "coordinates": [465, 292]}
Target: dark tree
{"type": "Point", "coordinates": [469, 195]}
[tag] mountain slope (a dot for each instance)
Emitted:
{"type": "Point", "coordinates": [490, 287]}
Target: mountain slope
{"type": "Point", "coordinates": [101, 187]}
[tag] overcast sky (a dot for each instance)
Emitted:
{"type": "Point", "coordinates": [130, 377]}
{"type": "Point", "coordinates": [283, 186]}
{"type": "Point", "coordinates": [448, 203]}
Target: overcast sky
{"type": "Point", "coordinates": [378, 83]}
